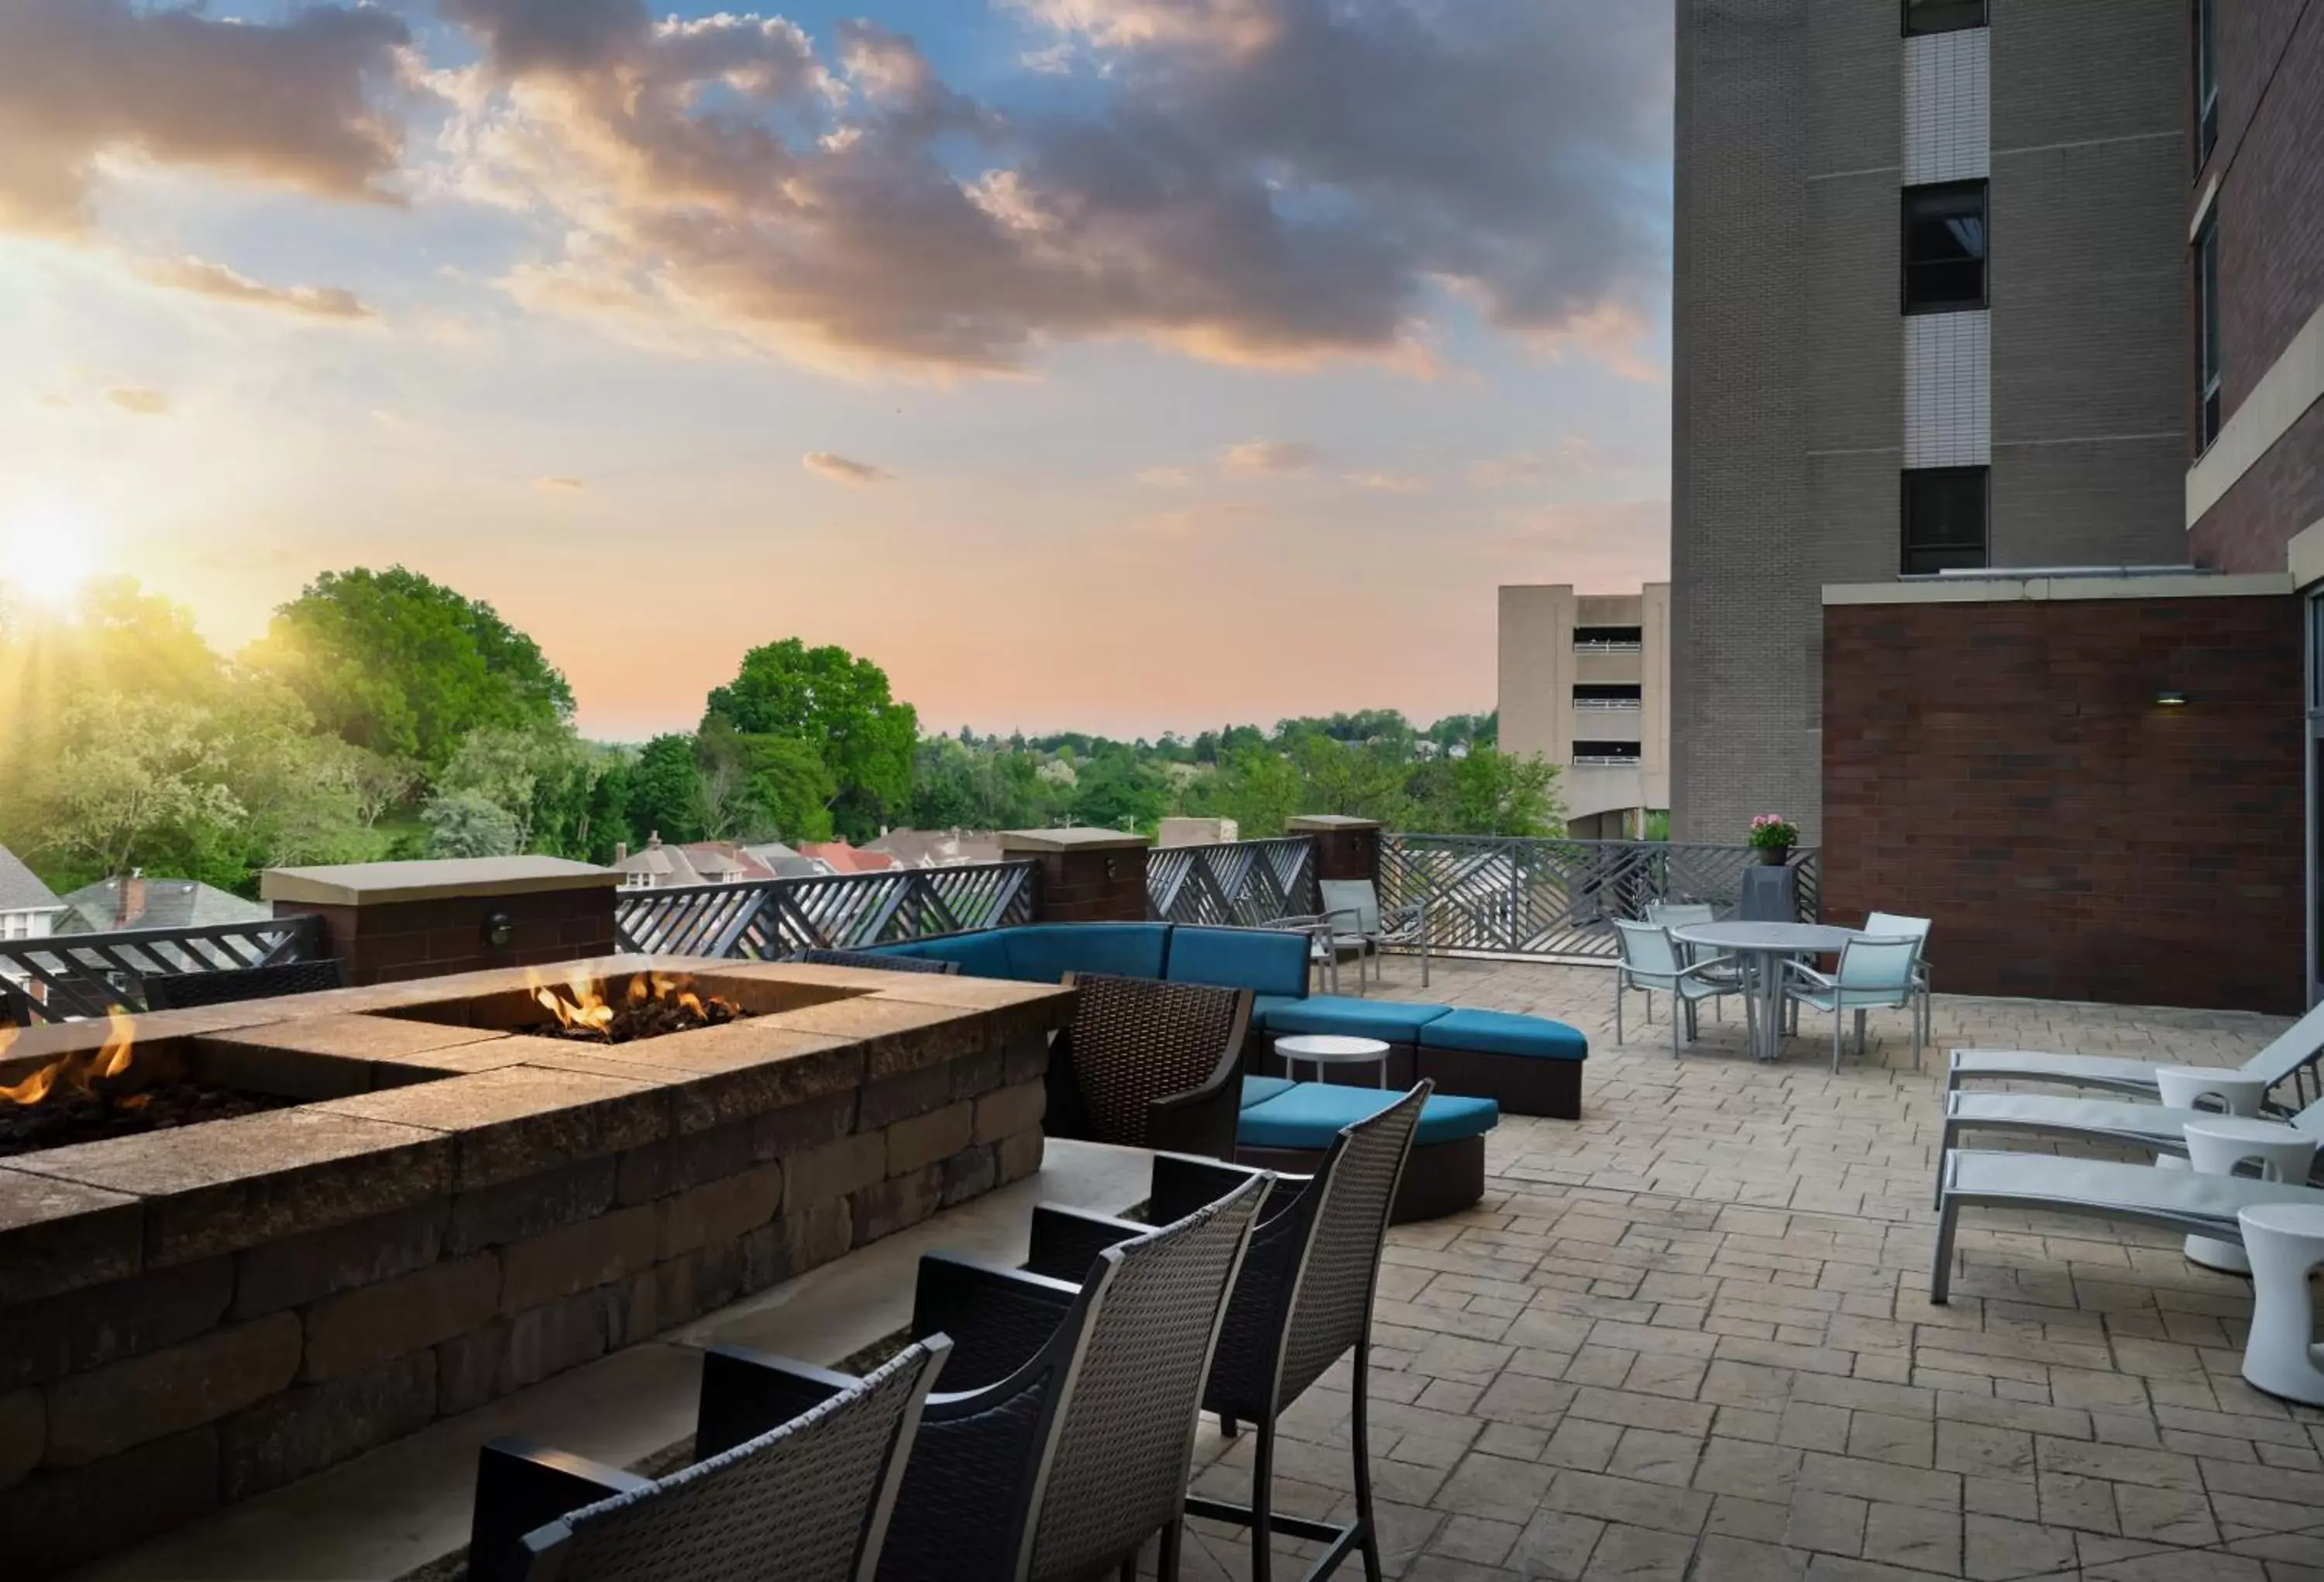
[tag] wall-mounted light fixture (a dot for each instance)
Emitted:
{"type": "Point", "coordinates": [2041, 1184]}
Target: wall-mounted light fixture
{"type": "Point", "coordinates": [499, 929]}
{"type": "Point", "coordinates": [2171, 698]}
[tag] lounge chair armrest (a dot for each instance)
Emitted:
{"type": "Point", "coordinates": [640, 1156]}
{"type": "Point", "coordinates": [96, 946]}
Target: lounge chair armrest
{"type": "Point", "coordinates": [1793, 967]}
{"type": "Point", "coordinates": [1066, 1241]}
{"type": "Point", "coordinates": [745, 1392]}
{"type": "Point", "coordinates": [1708, 964]}
{"type": "Point", "coordinates": [522, 1487]}
{"type": "Point", "coordinates": [1183, 1183]}
{"type": "Point", "coordinates": [997, 1317]}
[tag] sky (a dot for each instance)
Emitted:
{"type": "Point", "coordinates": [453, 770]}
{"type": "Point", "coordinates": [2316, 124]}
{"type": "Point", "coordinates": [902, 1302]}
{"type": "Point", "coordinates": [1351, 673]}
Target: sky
{"type": "Point", "coordinates": [1124, 365]}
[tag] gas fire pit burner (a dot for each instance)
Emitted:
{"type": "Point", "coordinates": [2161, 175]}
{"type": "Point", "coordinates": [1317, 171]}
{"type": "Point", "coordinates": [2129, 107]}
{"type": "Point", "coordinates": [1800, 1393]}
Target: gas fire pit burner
{"type": "Point", "coordinates": [90, 1098]}
{"type": "Point", "coordinates": [654, 1005]}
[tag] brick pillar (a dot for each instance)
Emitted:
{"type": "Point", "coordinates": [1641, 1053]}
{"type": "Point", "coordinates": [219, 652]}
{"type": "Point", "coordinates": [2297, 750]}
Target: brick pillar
{"type": "Point", "coordinates": [1087, 875]}
{"type": "Point", "coordinates": [1345, 847]}
{"type": "Point", "coordinates": [389, 921]}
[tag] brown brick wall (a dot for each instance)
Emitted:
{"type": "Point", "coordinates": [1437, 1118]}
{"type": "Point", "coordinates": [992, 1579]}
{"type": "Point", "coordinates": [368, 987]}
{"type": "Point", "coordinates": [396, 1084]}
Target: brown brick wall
{"type": "Point", "coordinates": [2270, 164]}
{"type": "Point", "coordinates": [1103, 886]}
{"type": "Point", "coordinates": [2281, 496]}
{"type": "Point", "coordinates": [399, 940]}
{"type": "Point", "coordinates": [2004, 770]}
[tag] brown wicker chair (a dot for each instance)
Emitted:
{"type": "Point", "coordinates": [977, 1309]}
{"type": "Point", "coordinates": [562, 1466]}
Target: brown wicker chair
{"type": "Point", "coordinates": [798, 1476]}
{"type": "Point", "coordinates": [1302, 1301]}
{"type": "Point", "coordinates": [1069, 1448]}
{"type": "Point", "coordinates": [1148, 1064]}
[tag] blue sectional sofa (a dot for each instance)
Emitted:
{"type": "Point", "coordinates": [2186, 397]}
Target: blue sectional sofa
{"type": "Point", "coordinates": [1528, 1065]}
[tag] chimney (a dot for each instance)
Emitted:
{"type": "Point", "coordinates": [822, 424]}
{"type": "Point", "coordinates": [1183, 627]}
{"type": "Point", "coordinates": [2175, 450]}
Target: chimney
{"type": "Point", "coordinates": [131, 905]}
{"type": "Point", "coordinates": [621, 853]}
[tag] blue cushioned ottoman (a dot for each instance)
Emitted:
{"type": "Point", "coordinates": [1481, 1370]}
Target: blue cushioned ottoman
{"type": "Point", "coordinates": [1395, 1022]}
{"type": "Point", "coordinates": [1530, 1064]}
{"type": "Point", "coordinates": [1293, 1129]}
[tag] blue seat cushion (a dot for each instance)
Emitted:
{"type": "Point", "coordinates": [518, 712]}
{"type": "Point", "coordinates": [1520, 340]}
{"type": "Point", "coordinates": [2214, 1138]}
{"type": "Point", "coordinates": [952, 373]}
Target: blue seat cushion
{"type": "Point", "coordinates": [1308, 1114]}
{"type": "Point", "coordinates": [1503, 1032]}
{"type": "Point", "coordinates": [1389, 1021]}
{"type": "Point", "coordinates": [1046, 952]}
{"type": "Point", "coordinates": [1265, 1005]}
{"type": "Point", "coordinates": [1259, 1090]}
{"type": "Point", "coordinates": [1267, 960]}
{"type": "Point", "coordinates": [980, 955]}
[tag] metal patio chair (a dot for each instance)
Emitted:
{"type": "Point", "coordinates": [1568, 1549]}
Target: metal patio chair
{"type": "Point", "coordinates": [2291, 1057]}
{"type": "Point", "coordinates": [1889, 925]}
{"type": "Point", "coordinates": [1651, 964]}
{"type": "Point", "coordinates": [1068, 1446]}
{"type": "Point", "coordinates": [1371, 927]}
{"type": "Point", "coordinates": [1303, 1300]}
{"type": "Point", "coordinates": [1873, 975]}
{"type": "Point", "coordinates": [798, 1474]}
{"type": "Point", "coordinates": [1148, 1064]}
{"type": "Point", "coordinates": [182, 991]}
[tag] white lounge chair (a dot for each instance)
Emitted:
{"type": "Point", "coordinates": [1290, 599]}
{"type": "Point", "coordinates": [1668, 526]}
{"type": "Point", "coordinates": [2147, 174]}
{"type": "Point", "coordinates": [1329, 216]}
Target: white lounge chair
{"type": "Point", "coordinates": [2143, 1125]}
{"type": "Point", "coordinates": [2043, 1183]}
{"type": "Point", "coordinates": [2292, 1057]}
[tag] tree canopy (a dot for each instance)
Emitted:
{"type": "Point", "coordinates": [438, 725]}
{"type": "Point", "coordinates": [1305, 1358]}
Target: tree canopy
{"type": "Point", "coordinates": [840, 703]}
{"type": "Point", "coordinates": [406, 667]}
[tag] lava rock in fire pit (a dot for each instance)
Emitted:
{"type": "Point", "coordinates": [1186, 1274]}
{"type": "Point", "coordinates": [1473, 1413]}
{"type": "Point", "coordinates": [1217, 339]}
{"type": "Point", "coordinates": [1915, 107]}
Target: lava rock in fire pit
{"type": "Point", "coordinates": [653, 1006]}
{"type": "Point", "coordinates": [66, 1117]}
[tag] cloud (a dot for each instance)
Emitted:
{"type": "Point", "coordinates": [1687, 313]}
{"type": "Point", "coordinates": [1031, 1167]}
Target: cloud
{"type": "Point", "coordinates": [1163, 477]}
{"type": "Point", "coordinates": [1270, 456]}
{"type": "Point", "coordinates": [561, 485]}
{"type": "Point", "coordinates": [216, 280]}
{"type": "Point", "coordinates": [138, 399]}
{"type": "Point", "coordinates": [1277, 182]}
{"type": "Point", "coordinates": [82, 80]}
{"type": "Point", "coordinates": [843, 469]}
{"type": "Point", "coordinates": [1389, 483]}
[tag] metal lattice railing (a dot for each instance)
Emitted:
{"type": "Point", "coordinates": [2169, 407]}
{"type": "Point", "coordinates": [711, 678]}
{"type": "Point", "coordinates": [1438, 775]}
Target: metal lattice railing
{"type": "Point", "coordinates": [65, 978]}
{"type": "Point", "coordinates": [1508, 896]}
{"type": "Point", "coordinates": [1244, 881]}
{"type": "Point", "coordinates": [842, 912]}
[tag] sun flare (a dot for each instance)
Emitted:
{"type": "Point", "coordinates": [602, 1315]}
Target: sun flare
{"type": "Point", "coordinates": [46, 556]}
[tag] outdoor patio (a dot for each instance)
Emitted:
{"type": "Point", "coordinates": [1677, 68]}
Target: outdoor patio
{"type": "Point", "coordinates": [1689, 1338]}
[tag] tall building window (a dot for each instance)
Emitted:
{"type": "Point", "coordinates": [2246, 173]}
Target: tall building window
{"type": "Point", "coordinates": [1945, 246]}
{"type": "Point", "coordinates": [2206, 84]}
{"type": "Point", "coordinates": [1942, 16]}
{"type": "Point", "coordinates": [1944, 519]}
{"type": "Point", "coordinates": [2207, 324]}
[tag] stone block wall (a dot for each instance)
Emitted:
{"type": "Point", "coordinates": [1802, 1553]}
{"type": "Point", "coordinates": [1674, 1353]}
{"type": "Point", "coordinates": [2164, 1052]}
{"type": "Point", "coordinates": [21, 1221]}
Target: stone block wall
{"type": "Point", "coordinates": [179, 1339]}
{"type": "Point", "coordinates": [2004, 770]}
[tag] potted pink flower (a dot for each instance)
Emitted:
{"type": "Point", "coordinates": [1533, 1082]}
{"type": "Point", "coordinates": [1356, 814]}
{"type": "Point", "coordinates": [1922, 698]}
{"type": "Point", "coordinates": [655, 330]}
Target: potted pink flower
{"type": "Point", "coordinates": [1773, 835]}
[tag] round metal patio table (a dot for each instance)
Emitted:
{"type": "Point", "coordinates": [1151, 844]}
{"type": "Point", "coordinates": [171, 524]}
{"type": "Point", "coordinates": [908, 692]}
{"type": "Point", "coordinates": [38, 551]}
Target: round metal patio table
{"type": "Point", "coordinates": [1325, 1048]}
{"type": "Point", "coordinates": [1767, 945]}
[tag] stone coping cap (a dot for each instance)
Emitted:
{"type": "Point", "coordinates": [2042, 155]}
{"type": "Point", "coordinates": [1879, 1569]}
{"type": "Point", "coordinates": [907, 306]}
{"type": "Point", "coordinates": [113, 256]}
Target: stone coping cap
{"type": "Point", "coordinates": [2000, 587]}
{"type": "Point", "coordinates": [1077, 839]}
{"type": "Point", "coordinates": [432, 879]}
{"type": "Point", "coordinates": [1331, 821]}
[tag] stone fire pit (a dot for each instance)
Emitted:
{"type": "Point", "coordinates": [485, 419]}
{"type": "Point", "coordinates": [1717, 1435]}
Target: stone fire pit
{"type": "Point", "coordinates": [449, 1210]}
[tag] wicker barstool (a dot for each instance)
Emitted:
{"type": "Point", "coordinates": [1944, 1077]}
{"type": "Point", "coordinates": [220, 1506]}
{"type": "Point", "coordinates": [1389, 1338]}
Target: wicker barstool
{"type": "Point", "coordinates": [1072, 1445]}
{"type": "Point", "coordinates": [799, 1474]}
{"type": "Point", "coordinates": [180, 991]}
{"type": "Point", "coordinates": [873, 960]}
{"type": "Point", "coordinates": [1148, 1064]}
{"type": "Point", "coordinates": [1303, 1300]}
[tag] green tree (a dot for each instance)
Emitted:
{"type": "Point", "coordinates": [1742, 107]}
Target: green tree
{"type": "Point", "coordinates": [1259, 787]}
{"type": "Point", "coordinates": [1487, 793]}
{"type": "Point", "coordinates": [666, 792]}
{"type": "Point", "coordinates": [469, 823]}
{"type": "Point", "coordinates": [137, 774]}
{"type": "Point", "coordinates": [761, 788]}
{"type": "Point", "coordinates": [1363, 781]}
{"type": "Point", "coordinates": [1118, 790]}
{"type": "Point", "coordinates": [841, 704]}
{"type": "Point", "coordinates": [403, 666]}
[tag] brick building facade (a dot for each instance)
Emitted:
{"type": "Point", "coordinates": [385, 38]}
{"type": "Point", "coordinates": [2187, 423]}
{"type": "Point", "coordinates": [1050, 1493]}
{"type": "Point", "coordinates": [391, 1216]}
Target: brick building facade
{"type": "Point", "coordinates": [2070, 834]}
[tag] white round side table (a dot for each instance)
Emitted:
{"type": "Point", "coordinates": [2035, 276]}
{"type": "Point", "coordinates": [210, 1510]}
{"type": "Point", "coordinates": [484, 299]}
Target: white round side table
{"type": "Point", "coordinates": [1325, 1048]}
{"type": "Point", "coordinates": [2216, 1147]}
{"type": "Point", "coordinates": [2285, 1242]}
{"type": "Point", "coordinates": [2184, 1087]}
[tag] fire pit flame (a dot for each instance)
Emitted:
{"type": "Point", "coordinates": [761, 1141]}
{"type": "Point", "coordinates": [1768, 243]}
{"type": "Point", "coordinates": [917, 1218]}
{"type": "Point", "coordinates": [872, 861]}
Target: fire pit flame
{"type": "Point", "coordinates": [78, 1072]}
{"type": "Point", "coordinates": [654, 1002]}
